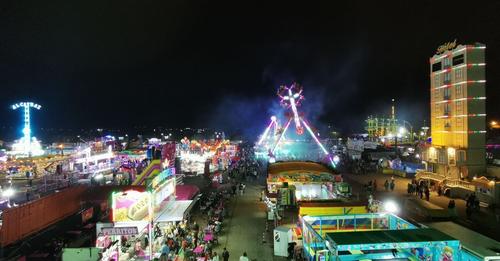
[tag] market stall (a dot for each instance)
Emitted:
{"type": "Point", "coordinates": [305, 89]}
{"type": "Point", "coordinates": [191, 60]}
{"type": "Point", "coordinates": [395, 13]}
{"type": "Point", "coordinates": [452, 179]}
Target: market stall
{"type": "Point", "coordinates": [127, 236]}
{"type": "Point", "coordinates": [311, 180]}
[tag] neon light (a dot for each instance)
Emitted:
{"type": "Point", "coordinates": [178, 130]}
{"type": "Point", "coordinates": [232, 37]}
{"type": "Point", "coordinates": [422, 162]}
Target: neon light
{"type": "Point", "coordinates": [281, 136]}
{"type": "Point", "coordinates": [319, 143]}
{"type": "Point", "coordinates": [461, 99]}
{"type": "Point", "coordinates": [25, 145]}
{"type": "Point", "coordinates": [291, 98]}
{"type": "Point", "coordinates": [264, 135]}
{"type": "Point", "coordinates": [457, 83]}
{"type": "Point", "coordinates": [463, 132]}
{"type": "Point", "coordinates": [458, 67]}
{"type": "Point", "coordinates": [459, 50]}
{"type": "Point", "coordinates": [462, 116]}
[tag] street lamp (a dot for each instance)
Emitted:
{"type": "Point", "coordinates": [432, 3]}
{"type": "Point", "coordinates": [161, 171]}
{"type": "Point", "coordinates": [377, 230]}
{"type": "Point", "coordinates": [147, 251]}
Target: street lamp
{"type": "Point", "coordinates": [391, 207]}
{"type": "Point", "coordinates": [8, 193]}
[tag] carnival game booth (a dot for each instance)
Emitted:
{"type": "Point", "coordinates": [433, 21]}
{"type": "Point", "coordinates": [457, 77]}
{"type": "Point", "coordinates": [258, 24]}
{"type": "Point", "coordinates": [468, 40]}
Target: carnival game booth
{"type": "Point", "coordinates": [308, 180]}
{"type": "Point", "coordinates": [326, 208]}
{"type": "Point", "coordinates": [377, 236]}
{"type": "Point", "coordinates": [128, 234]}
{"type": "Point", "coordinates": [316, 228]}
{"type": "Point", "coordinates": [406, 244]}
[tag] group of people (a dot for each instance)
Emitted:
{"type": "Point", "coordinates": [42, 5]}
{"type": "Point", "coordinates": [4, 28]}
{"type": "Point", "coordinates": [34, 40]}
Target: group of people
{"type": "Point", "coordinates": [246, 166]}
{"type": "Point", "coordinates": [421, 189]}
{"type": "Point", "coordinates": [371, 186]}
{"type": "Point", "coordinates": [186, 242]}
{"type": "Point", "coordinates": [471, 204]}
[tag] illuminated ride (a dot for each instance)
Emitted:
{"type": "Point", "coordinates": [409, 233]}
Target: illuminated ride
{"type": "Point", "coordinates": [271, 133]}
{"type": "Point", "coordinates": [27, 146]}
{"type": "Point", "coordinates": [290, 98]}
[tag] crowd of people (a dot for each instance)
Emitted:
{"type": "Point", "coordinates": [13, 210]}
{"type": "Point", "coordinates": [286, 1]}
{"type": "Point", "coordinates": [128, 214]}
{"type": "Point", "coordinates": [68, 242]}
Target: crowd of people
{"type": "Point", "coordinates": [181, 241]}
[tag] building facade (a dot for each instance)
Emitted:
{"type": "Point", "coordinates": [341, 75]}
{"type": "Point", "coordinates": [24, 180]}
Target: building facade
{"type": "Point", "coordinates": [458, 117]}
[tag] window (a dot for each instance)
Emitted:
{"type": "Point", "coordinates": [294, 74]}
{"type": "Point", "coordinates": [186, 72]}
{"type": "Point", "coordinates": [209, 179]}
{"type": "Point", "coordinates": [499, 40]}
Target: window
{"type": "Point", "coordinates": [436, 67]}
{"type": "Point", "coordinates": [437, 80]}
{"type": "Point", "coordinates": [459, 74]}
{"type": "Point", "coordinates": [441, 157]}
{"type": "Point", "coordinates": [459, 59]}
{"type": "Point", "coordinates": [446, 109]}
{"type": "Point", "coordinates": [447, 77]}
{"type": "Point", "coordinates": [459, 108]}
{"type": "Point", "coordinates": [446, 93]}
{"type": "Point", "coordinates": [446, 62]}
{"type": "Point", "coordinates": [435, 95]}
{"type": "Point", "coordinates": [461, 156]}
{"type": "Point", "coordinates": [459, 91]}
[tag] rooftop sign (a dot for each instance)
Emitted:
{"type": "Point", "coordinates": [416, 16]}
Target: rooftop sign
{"type": "Point", "coordinates": [446, 46]}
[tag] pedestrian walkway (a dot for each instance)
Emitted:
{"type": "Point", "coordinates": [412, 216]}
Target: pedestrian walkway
{"type": "Point", "coordinates": [483, 222]}
{"type": "Point", "coordinates": [244, 227]}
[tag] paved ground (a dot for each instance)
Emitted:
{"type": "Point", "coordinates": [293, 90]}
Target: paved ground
{"type": "Point", "coordinates": [483, 222]}
{"type": "Point", "coordinates": [244, 226]}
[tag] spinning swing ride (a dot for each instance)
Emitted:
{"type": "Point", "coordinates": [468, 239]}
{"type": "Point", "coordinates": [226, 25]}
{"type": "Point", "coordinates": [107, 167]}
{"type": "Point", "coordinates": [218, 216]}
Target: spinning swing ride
{"type": "Point", "coordinates": [272, 139]}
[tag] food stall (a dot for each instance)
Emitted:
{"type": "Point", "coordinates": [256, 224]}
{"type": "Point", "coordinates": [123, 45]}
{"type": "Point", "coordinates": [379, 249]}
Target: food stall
{"type": "Point", "coordinates": [167, 209]}
{"type": "Point", "coordinates": [127, 237]}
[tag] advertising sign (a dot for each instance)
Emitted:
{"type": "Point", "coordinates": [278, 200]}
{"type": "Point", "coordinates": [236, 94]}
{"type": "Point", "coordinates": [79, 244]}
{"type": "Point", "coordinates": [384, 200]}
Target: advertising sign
{"type": "Point", "coordinates": [131, 205]}
{"type": "Point", "coordinates": [119, 231]}
{"type": "Point", "coordinates": [158, 179]}
{"type": "Point", "coordinates": [164, 192]}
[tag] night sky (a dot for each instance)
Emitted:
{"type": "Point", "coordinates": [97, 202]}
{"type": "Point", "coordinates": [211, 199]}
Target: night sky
{"type": "Point", "coordinates": [120, 64]}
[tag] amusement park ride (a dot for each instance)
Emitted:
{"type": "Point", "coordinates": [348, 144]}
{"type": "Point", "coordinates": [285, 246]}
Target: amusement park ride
{"type": "Point", "coordinates": [290, 98]}
{"type": "Point", "coordinates": [27, 146]}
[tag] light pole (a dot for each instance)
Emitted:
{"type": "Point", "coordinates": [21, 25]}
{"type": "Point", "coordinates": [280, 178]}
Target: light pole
{"type": "Point", "coordinates": [8, 193]}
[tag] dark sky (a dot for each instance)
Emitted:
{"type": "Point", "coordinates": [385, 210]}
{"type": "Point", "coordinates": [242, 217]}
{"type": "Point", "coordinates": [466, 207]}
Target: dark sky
{"type": "Point", "coordinates": [207, 63]}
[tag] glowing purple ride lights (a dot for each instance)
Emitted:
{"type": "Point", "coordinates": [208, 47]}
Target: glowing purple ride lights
{"type": "Point", "coordinates": [291, 97]}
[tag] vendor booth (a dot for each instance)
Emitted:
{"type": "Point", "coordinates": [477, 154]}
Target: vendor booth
{"type": "Point", "coordinates": [127, 236]}
{"type": "Point", "coordinates": [376, 236]}
{"type": "Point", "coordinates": [419, 244]}
{"type": "Point", "coordinates": [300, 173]}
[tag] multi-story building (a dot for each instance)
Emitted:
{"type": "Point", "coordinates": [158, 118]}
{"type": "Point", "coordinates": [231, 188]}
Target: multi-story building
{"type": "Point", "coordinates": [458, 122]}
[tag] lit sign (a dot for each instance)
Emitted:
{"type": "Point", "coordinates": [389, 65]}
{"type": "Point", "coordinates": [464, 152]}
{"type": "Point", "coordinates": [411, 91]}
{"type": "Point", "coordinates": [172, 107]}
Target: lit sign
{"type": "Point", "coordinates": [164, 192]}
{"type": "Point", "coordinates": [447, 46]}
{"type": "Point", "coordinates": [131, 206]}
{"type": "Point", "coordinates": [119, 231]}
{"type": "Point", "coordinates": [158, 179]}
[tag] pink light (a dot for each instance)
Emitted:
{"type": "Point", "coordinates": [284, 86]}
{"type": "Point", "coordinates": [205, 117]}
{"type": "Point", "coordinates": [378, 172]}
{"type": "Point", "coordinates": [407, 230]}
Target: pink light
{"type": "Point", "coordinates": [264, 135]}
{"type": "Point", "coordinates": [314, 137]}
{"type": "Point", "coordinates": [281, 136]}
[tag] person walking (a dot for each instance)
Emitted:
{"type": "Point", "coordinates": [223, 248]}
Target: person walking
{"type": "Point", "coordinates": [225, 255]}
{"type": "Point", "coordinates": [386, 185]}
{"type": "Point", "coordinates": [215, 257]}
{"type": "Point", "coordinates": [392, 185]}
{"type": "Point", "coordinates": [244, 257]}
{"type": "Point", "coordinates": [427, 193]}
{"type": "Point", "coordinates": [374, 185]}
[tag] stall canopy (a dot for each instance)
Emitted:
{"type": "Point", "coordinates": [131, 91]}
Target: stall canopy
{"type": "Point", "coordinates": [389, 239]}
{"type": "Point", "coordinates": [301, 171]}
{"type": "Point", "coordinates": [186, 192]}
{"type": "Point", "coordinates": [175, 211]}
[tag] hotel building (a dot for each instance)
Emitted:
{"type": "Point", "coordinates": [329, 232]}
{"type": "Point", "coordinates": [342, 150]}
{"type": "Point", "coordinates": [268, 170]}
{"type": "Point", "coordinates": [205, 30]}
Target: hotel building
{"type": "Point", "coordinates": [458, 122]}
